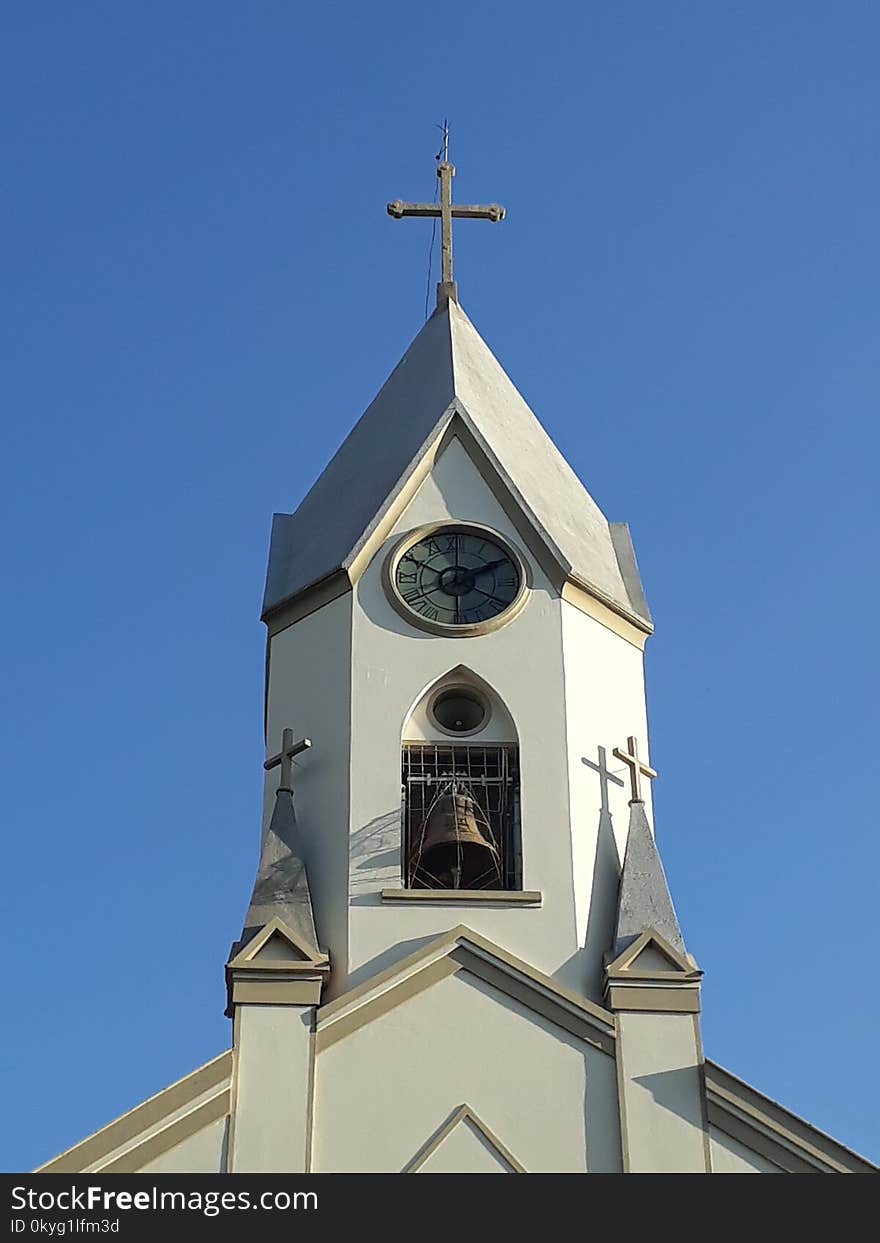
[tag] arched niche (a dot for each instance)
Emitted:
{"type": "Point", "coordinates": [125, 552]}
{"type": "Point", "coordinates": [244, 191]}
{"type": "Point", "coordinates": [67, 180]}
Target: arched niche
{"type": "Point", "coordinates": [460, 706]}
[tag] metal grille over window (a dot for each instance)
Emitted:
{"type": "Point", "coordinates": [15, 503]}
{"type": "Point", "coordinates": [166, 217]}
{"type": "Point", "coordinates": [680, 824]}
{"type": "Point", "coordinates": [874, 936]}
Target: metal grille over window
{"type": "Point", "coordinates": [461, 816]}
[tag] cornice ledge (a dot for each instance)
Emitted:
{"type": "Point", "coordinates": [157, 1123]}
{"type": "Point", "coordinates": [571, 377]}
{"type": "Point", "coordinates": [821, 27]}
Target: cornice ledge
{"type": "Point", "coordinates": [740, 1110]}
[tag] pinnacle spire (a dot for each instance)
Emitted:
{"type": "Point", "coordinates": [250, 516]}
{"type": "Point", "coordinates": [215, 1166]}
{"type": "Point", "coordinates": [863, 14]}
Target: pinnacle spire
{"type": "Point", "coordinates": [644, 900]}
{"type": "Point", "coordinates": [281, 888]}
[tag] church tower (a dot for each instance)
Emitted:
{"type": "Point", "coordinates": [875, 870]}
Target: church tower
{"type": "Point", "coordinates": [460, 953]}
{"type": "Point", "coordinates": [459, 631]}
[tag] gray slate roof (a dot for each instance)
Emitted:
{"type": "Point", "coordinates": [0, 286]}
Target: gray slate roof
{"type": "Point", "coordinates": [644, 900]}
{"type": "Point", "coordinates": [281, 887]}
{"type": "Point", "coordinates": [448, 370]}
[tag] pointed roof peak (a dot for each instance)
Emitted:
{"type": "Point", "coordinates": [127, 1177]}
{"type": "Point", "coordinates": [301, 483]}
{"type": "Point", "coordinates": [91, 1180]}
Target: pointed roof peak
{"type": "Point", "coordinates": [644, 901]}
{"type": "Point", "coordinates": [281, 889]}
{"type": "Point", "coordinates": [449, 372]}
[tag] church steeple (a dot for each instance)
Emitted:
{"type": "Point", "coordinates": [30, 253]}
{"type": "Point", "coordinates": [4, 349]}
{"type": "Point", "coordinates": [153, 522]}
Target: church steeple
{"type": "Point", "coordinates": [449, 382]}
{"type": "Point", "coordinates": [449, 555]}
{"type": "Point", "coordinates": [448, 548]}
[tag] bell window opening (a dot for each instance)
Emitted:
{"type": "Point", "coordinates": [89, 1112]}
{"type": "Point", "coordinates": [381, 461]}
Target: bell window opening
{"type": "Point", "coordinates": [461, 816]}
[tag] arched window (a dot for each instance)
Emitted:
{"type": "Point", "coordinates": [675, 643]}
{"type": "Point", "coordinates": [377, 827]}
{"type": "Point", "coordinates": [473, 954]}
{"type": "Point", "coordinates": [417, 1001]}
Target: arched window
{"type": "Point", "coordinates": [460, 779]}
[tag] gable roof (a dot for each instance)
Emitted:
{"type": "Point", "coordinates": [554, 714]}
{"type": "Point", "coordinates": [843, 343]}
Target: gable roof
{"type": "Point", "coordinates": [125, 1145]}
{"type": "Point", "coordinates": [756, 1120]}
{"type": "Point", "coordinates": [734, 1107]}
{"type": "Point", "coordinates": [448, 372]}
{"type": "Point", "coordinates": [462, 949]}
{"type": "Point", "coordinates": [153, 1127]}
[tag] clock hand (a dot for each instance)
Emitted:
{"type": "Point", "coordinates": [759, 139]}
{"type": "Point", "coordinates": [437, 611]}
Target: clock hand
{"type": "Point", "coordinates": [489, 596]}
{"type": "Point", "coordinates": [490, 565]}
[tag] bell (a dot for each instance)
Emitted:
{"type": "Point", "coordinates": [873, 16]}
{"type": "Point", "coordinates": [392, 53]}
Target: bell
{"type": "Point", "coordinates": [455, 852]}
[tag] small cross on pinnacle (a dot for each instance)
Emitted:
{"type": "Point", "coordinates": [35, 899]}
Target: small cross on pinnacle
{"type": "Point", "coordinates": [285, 757]}
{"type": "Point", "coordinates": [447, 289]}
{"type": "Point", "coordinates": [637, 769]}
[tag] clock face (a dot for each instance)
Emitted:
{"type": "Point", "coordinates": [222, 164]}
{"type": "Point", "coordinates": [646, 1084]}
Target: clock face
{"type": "Point", "coordinates": [457, 577]}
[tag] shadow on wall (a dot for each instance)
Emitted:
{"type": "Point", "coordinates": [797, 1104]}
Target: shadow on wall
{"type": "Point", "coordinates": [674, 1090]}
{"type": "Point", "coordinates": [606, 875]}
{"type": "Point", "coordinates": [585, 969]}
{"type": "Point", "coordinates": [374, 603]}
{"type": "Point", "coordinates": [224, 1147]}
{"type": "Point", "coordinates": [375, 854]}
{"type": "Point", "coordinates": [603, 901]}
{"type": "Point", "coordinates": [601, 1114]}
{"type": "Point", "coordinates": [393, 954]}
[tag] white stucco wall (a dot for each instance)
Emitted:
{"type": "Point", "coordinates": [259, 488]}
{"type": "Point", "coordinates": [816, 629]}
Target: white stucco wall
{"type": "Point", "coordinates": [309, 691]}
{"type": "Point", "coordinates": [271, 1089]}
{"type": "Point", "coordinates": [729, 1156]}
{"type": "Point", "coordinates": [604, 705]}
{"type": "Point", "coordinates": [350, 675]}
{"type": "Point", "coordinates": [383, 1091]}
{"type": "Point", "coordinates": [662, 1093]}
{"type": "Point", "coordinates": [393, 664]}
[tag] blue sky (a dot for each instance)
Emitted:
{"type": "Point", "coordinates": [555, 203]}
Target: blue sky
{"type": "Point", "coordinates": [202, 292]}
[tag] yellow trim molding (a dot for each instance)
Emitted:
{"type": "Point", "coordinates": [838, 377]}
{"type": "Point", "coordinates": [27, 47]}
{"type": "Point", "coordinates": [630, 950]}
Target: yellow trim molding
{"type": "Point", "coordinates": [470, 897]}
{"type": "Point", "coordinates": [625, 965]}
{"type": "Point", "coordinates": [662, 1000]}
{"type": "Point", "coordinates": [309, 959]}
{"type": "Point", "coordinates": [462, 1115]}
{"type": "Point", "coordinates": [462, 949]}
{"type": "Point", "coordinates": [155, 1115]}
{"type": "Point", "coordinates": [786, 1140]}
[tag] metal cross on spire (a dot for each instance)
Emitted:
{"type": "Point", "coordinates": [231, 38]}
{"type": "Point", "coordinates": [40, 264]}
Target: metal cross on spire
{"type": "Point", "coordinates": [285, 757]}
{"type": "Point", "coordinates": [637, 769]}
{"type": "Point", "coordinates": [446, 211]}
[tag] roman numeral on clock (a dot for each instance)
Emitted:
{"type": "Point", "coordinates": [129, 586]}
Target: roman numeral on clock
{"type": "Point", "coordinates": [446, 571]}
